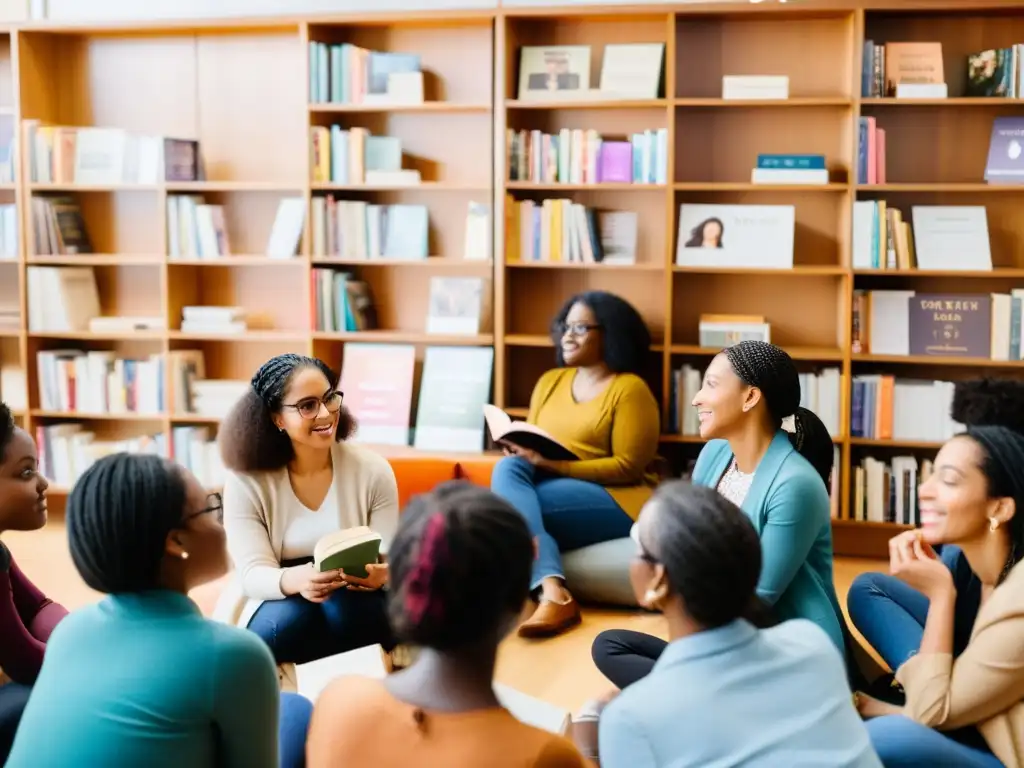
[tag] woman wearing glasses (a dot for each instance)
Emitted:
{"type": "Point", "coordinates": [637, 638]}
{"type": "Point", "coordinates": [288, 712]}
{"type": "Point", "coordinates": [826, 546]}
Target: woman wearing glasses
{"type": "Point", "coordinates": [596, 404]}
{"type": "Point", "coordinates": [293, 479]}
{"type": "Point", "coordinates": [141, 678]}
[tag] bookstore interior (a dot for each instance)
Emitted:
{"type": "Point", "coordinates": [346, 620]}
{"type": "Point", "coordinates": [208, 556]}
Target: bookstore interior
{"type": "Point", "coordinates": [411, 198]}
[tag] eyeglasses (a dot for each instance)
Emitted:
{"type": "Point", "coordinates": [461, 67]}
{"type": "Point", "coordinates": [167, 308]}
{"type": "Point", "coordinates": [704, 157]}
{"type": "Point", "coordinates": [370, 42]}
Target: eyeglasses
{"type": "Point", "coordinates": [577, 329]}
{"type": "Point", "coordinates": [643, 554]}
{"type": "Point", "coordinates": [309, 407]}
{"type": "Point", "coordinates": [215, 506]}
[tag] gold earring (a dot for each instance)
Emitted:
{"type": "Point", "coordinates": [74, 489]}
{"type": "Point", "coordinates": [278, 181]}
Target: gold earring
{"type": "Point", "coordinates": [184, 555]}
{"type": "Point", "coordinates": [993, 523]}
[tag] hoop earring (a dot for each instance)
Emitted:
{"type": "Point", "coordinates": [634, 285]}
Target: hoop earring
{"type": "Point", "coordinates": [993, 523]}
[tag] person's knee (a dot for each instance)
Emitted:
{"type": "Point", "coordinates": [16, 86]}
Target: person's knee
{"type": "Point", "coordinates": [510, 468]}
{"type": "Point", "coordinates": [865, 587]}
{"type": "Point", "coordinates": [892, 735]}
{"type": "Point", "coordinates": [602, 646]}
{"type": "Point", "coordinates": [278, 623]}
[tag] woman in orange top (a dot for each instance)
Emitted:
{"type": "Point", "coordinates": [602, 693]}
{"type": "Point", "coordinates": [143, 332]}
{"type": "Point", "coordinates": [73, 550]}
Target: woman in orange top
{"type": "Point", "coordinates": [597, 405]}
{"type": "Point", "coordinates": [460, 572]}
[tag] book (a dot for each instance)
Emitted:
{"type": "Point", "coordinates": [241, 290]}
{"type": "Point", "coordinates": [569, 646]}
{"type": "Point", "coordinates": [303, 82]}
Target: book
{"type": "Point", "coordinates": [529, 436]}
{"type": "Point", "coordinates": [351, 550]}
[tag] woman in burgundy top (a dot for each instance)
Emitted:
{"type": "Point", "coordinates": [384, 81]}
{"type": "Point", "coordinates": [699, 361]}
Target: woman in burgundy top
{"type": "Point", "coordinates": [27, 617]}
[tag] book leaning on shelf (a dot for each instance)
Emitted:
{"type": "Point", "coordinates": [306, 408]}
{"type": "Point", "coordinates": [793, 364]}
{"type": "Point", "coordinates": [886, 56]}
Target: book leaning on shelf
{"type": "Point", "coordinates": [350, 551]}
{"type": "Point", "coordinates": [520, 434]}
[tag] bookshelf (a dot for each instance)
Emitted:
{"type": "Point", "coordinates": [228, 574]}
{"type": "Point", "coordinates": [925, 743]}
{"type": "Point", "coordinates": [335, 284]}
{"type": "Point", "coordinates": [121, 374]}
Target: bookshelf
{"type": "Point", "coordinates": [241, 88]}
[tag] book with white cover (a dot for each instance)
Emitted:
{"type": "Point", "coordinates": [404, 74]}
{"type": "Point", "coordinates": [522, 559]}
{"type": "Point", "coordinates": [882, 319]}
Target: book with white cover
{"type": "Point", "coordinates": [745, 236]}
{"type": "Point", "coordinates": [952, 237]}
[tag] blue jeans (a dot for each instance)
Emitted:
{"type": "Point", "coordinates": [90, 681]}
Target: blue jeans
{"type": "Point", "coordinates": [902, 743]}
{"type": "Point", "coordinates": [298, 631]}
{"type": "Point", "coordinates": [294, 724]}
{"type": "Point", "coordinates": [562, 513]}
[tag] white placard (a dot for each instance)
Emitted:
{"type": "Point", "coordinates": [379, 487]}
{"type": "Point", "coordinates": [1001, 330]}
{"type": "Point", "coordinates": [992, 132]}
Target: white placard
{"type": "Point", "coordinates": [745, 236]}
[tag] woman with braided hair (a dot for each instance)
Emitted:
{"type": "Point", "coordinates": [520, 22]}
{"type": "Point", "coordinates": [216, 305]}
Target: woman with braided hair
{"type": "Point", "coordinates": [952, 626]}
{"type": "Point", "coordinates": [292, 479]}
{"type": "Point", "coordinates": [460, 574]}
{"type": "Point", "coordinates": [724, 692]}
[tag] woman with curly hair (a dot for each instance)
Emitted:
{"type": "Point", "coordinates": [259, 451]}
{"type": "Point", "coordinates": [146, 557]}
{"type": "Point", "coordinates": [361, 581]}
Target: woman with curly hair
{"type": "Point", "coordinates": [292, 479]}
{"type": "Point", "coordinates": [597, 405]}
{"type": "Point", "coordinates": [952, 626]}
{"type": "Point", "coordinates": [27, 617]}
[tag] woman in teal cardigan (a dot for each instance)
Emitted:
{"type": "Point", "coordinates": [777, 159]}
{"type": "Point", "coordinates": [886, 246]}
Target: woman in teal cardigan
{"type": "Point", "coordinates": [780, 479]}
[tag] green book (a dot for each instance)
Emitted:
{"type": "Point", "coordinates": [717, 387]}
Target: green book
{"type": "Point", "coordinates": [350, 550]}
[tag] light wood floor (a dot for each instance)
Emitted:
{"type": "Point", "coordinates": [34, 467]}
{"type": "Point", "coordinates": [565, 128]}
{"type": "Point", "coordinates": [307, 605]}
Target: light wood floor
{"type": "Point", "coordinates": [558, 670]}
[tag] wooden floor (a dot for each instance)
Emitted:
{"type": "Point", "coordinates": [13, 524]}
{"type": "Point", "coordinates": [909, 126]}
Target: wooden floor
{"type": "Point", "coordinates": [557, 670]}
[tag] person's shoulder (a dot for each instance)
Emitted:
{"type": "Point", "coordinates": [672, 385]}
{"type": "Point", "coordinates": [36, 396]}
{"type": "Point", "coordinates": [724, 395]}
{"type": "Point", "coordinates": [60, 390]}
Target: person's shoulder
{"type": "Point", "coordinates": [631, 385]}
{"type": "Point", "coordinates": [358, 459]}
{"type": "Point", "coordinates": [557, 752]}
{"type": "Point", "coordinates": [707, 459]}
{"type": "Point", "coordinates": [798, 476]}
{"type": "Point", "coordinates": [251, 484]}
{"type": "Point", "coordinates": [804, 637]}
{"type": "Point", "coordinates": [551, 377]}
{"type": "Point", "coordinates": [77, 628]}
{"type": "Point", "coordinates": [243, 647]}
{"type": "Point", "coordinates": [352, 695]}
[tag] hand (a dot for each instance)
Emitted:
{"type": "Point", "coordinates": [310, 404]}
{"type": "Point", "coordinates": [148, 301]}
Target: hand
{"type": "Point", "coordinates": [305, 580]}
{"type": "Point", "coordinates": [869, 706]}
{"type": "Point", "coordinates": [915, 563]}
{"type": "Point", "coordinates": [532, 457]}
{"type": "Point", "coordinates": [376, 577]}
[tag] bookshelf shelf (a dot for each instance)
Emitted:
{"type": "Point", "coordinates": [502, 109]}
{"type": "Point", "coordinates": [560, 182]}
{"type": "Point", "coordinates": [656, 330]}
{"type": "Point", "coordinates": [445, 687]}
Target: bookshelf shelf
{"type": "Point", "coordinates": [813, 101]}
{"type": "Point", "coordinates": [797, 271]}
{"type": "Point", "coordinates": [87, 416]}
{"type": "Point", "coordinates": [945, 362]}
{"type": "Point", "coordinates": [591, 104]}
{"type": "Point", "coordinates": [428, 107]}
{"type": "Point", "coordinates": [578, 265]}
{"type": "Point", "coordinates": [956, 101]}
{"type": "Point", "coordinates": [746, 186]}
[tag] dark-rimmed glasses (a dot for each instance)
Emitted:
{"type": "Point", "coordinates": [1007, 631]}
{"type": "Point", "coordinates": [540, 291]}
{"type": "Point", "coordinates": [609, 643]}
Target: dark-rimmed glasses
{"type": "Point", "coordinates": [214, 505]}
{"type": "Point", "coordinates": [309, 407]}
{"type": "Point", "coordinates": [577, 329]}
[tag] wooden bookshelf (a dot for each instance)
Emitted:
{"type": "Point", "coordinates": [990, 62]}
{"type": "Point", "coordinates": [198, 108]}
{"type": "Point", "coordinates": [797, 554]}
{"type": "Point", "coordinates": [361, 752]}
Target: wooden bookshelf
{"type": "Point", "coordinates": [242, 89]}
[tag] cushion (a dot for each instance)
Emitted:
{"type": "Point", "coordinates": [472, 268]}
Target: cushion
{"type": "Point", "coordinates": [477, 470]}
{"type": "Point", "coordinates": [419, 474]}
{"type": "Point", "coordinates": [600, 573]}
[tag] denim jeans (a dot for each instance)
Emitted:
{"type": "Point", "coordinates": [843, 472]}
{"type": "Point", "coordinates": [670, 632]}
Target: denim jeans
{"type": "Point", "coordinates": [294, 725]}
{"type": "Point", "coordinates": [298, 631]}
{"type": "Point", "coordinates": [902, 743]}
{"type": "Point", "coordinates": [562, 513]}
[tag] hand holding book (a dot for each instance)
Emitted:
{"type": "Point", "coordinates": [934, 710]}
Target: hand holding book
{"type": "Point", "coordinates": [315, 586]}
{"type": "Point", "coordinates": [376, 577]}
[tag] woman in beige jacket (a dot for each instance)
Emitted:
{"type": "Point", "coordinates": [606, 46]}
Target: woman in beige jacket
{"type": "Point", "coordinates": [965, 709]}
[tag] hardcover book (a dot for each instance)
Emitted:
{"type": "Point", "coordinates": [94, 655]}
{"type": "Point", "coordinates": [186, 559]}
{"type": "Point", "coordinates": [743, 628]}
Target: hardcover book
{"type": "Point", "coordinates": [529, 436]}
{"type": "Point", "coordinates": [350, 550]}
{"type": "Point", "coordinates": [1006, 152]}
{"type": "Point", "coordinates": [951, 325]}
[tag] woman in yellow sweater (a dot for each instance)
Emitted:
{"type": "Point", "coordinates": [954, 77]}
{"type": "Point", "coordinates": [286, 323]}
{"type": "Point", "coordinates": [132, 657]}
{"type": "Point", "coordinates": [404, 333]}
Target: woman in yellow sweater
{"type": "Point", "coordinates": [596, 404]}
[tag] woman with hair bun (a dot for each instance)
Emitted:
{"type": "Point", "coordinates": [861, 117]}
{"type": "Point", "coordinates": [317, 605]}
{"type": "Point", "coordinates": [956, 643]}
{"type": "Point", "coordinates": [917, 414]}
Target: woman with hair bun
{"type": "Point", "coordinates": [460, 574]}
{"type": "Point", "coordinates": [780, 479]}
{"type": "Point", "coordinates": [293, 478]}
{"type": "Point", "coordinates": [952, 626]}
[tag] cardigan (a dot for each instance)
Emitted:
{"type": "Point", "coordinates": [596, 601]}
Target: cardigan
{"type": "Point", "coordinates": [615, 434]}
{"type": "Point", "coordinates": [258, 507]}
{"type": "Point", "coordinates": [789, 506]}
{"type": "Point", "coordinates": [142, 679]}
{"type": "Point", "coordinates": [984, 685]}
{"type": "Point", "coordinates": [27, 618]}
{"type": "Point", "coordinates": [735, 695]}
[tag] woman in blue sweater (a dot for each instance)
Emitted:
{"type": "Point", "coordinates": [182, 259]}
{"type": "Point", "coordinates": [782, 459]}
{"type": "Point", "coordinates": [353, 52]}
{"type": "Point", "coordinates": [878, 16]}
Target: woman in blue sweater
{"type": "Point", "coordinates": [778, 478]}
{"type": "Point", "coordinates": [141, 678]}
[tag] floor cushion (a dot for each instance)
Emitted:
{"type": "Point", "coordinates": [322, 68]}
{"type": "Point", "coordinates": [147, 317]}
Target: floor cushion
{"type": "Point", "coordinates": [600, 573]}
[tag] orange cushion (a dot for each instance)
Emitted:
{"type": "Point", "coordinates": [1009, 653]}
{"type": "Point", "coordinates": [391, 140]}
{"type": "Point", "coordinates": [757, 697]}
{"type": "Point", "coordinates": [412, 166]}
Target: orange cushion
{"type": "Point", "coordinates": [420, 474]}
{"type": "Point", "coordinates": [477, 470]}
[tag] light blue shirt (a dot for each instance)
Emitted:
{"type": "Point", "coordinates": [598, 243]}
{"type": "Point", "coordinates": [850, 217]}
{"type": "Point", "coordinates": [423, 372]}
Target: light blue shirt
{"type": "Point", "coordinates": [144, 680]}
{"type": "Point", "coordinates": [737, 696]}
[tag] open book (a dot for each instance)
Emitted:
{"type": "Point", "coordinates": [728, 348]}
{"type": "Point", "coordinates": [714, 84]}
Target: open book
{"type": "Point", "coordinates": [529, 436]}
{"type": "Point", "coordinates": [350, 550]}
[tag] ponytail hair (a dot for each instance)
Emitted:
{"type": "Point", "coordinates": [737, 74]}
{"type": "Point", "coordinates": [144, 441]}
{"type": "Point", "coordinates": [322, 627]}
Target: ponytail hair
{"type": "Point", "coordinates": [811, 439]}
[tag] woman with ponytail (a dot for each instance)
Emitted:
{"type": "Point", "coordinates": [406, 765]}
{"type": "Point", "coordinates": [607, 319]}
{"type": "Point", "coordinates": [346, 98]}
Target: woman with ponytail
{"type": "Point", "coordinates": [460, 576]}
{"type": "Point", "coordinates": [952, 626]}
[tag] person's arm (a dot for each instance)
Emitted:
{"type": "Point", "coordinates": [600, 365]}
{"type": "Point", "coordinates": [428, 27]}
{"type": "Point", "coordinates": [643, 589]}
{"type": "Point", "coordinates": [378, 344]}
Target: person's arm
{"type": "Point", "coordinates": [247, 702]}
{"type": "Point", "coordinates": [382, 515]}
{"type": "Point", "coordinates": [796, 512]}
{"type": "Point", "coordinates": [249, 542]}
{"type": "Point", "coordinates": [620, 740]}
{"type": "Point", "coordinates": [38, 613]}
{"type": "Point", "coordinates": [635, 424]}
{"type": "Point", "coordinates": [21, 654]}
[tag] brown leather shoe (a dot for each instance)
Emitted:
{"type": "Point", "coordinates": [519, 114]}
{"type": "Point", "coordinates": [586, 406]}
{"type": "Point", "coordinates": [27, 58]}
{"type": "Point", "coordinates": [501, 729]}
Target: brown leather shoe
{"type": "Point", "coordinates": [551, 618]}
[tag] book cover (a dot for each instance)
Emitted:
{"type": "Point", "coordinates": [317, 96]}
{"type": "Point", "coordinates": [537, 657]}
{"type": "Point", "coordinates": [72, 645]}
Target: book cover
{"type": "Point", "coordinates": [350, 550]}
{"type": "Point", "coordinates": [454, 387]}
{"type": "Point", "coordinates": [529, 436]}
{"type": "Point", "coordinates": [951, 325]}
{"type": "Point", "coordinates": [747, 236]}
{"type": "Point", "coordinates": [1006, 151]}
{"type": "Point", "coordinates": [377, 380]}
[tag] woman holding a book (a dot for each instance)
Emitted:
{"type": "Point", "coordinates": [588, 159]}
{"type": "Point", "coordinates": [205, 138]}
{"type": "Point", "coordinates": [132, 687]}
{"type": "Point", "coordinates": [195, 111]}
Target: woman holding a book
{"type": "Point", "coordinates": [294, 480]}
{"type": "Point", "coordinates": [460, 570]}
{"type": "Point", "coordinates": [952, 626]}
{"type": "Point", "coordinates": [596, 405]}
{"type": "Point", "coordinates": [27, 617]}
{"type": "Point", "coordinates": [142, 678]}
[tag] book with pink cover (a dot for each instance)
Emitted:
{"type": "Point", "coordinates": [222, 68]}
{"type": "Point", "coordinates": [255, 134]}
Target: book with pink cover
{"type": "Point", "coordinates": [529, 436]}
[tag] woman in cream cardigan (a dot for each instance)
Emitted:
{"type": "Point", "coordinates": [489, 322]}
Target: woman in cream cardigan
{"type": "Point", "coordinates": [292, 479]}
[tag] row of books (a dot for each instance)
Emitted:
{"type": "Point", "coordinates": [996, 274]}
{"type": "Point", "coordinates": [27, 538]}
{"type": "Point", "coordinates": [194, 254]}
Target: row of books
{"type": "Point", "coordinates": [577, 156]}
{"type": "Point", "coordinates": [355, 156]}
{"type": "Point", "coordinates": [887, 492]}
{"type": "Point", "coordinates": [884, 407]}
{"type": "Point", "coordinates": [979, 325]}
{"type": "Point", "coordinates": [916, 70]}
{"type": "Point", "coordinates": [98, 381]}
{"type": "Point", "coordinates": [560, 230]}
{"type": "Point", "coordinates": [870, 151]}
{"type": "Point", "coordinates": [58, 227]}
{"type": "Point", "coordinates": [199, 230]}
{"type": "Point", "coordinates": [347, 74]}
{"type": "Point", "coordinates": [355, 229]}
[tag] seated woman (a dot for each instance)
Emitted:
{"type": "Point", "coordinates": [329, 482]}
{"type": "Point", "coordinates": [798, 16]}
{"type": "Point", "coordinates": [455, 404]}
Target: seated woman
{"type": "Point", "coordinates": [597, 405]}
{"type": "Point", "coordinates": [779, 479]}
{"type": "Point", "coordinates": [27, 617]}
{"type": "Point", "coordinates": [724, 692]}
{"type": "Point", "coordinates": [460, 570]}
{"type": "Point", "coordinates": [141, 678]}
{"type": "Point", "coordinates": [952, 628]}
{"type": "Point", "coordinates": [294, 479]}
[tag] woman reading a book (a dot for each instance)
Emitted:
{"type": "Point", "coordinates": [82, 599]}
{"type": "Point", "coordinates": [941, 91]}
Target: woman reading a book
{"type": "Point", "coordinates": [294, 480]}
{"type": "Point", "coordinates": [141, 678]}
{"type": "Point", "coordinates": [596, 405]}
{"type": "Point", "coordinates": [460, 570]}
{"type": "Point", "coordinates": [779, 479]}
{"type": "Point", "coordinates": [952, 626]}
{"type": "Point", "coordinates": [27, 617]}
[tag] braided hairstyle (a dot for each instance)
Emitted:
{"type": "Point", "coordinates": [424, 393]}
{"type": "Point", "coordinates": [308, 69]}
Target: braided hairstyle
{"type": "Point", "coordinates": [249, 440]}
{"type": "Point", "coordinates": [119, 514]}
{"type": "Point", "coordinates": [770, 369]}
{"type": "Point", "coordinates": [460, 567]}
{"type": "Point", "coordinates": [625, 336]}
{"type": "Point", "coordinates": [7, 427]}
{"type": "Point", "coordinates": [710, 551]}
{"type": "Point", "coordinates": [992, 410]}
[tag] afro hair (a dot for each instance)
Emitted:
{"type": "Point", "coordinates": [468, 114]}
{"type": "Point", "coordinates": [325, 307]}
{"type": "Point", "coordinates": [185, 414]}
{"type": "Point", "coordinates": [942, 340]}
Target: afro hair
{"type": "Point", "coordinates": [7, 427]}
{"type": "Point", "coordinates": [989, 402]}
